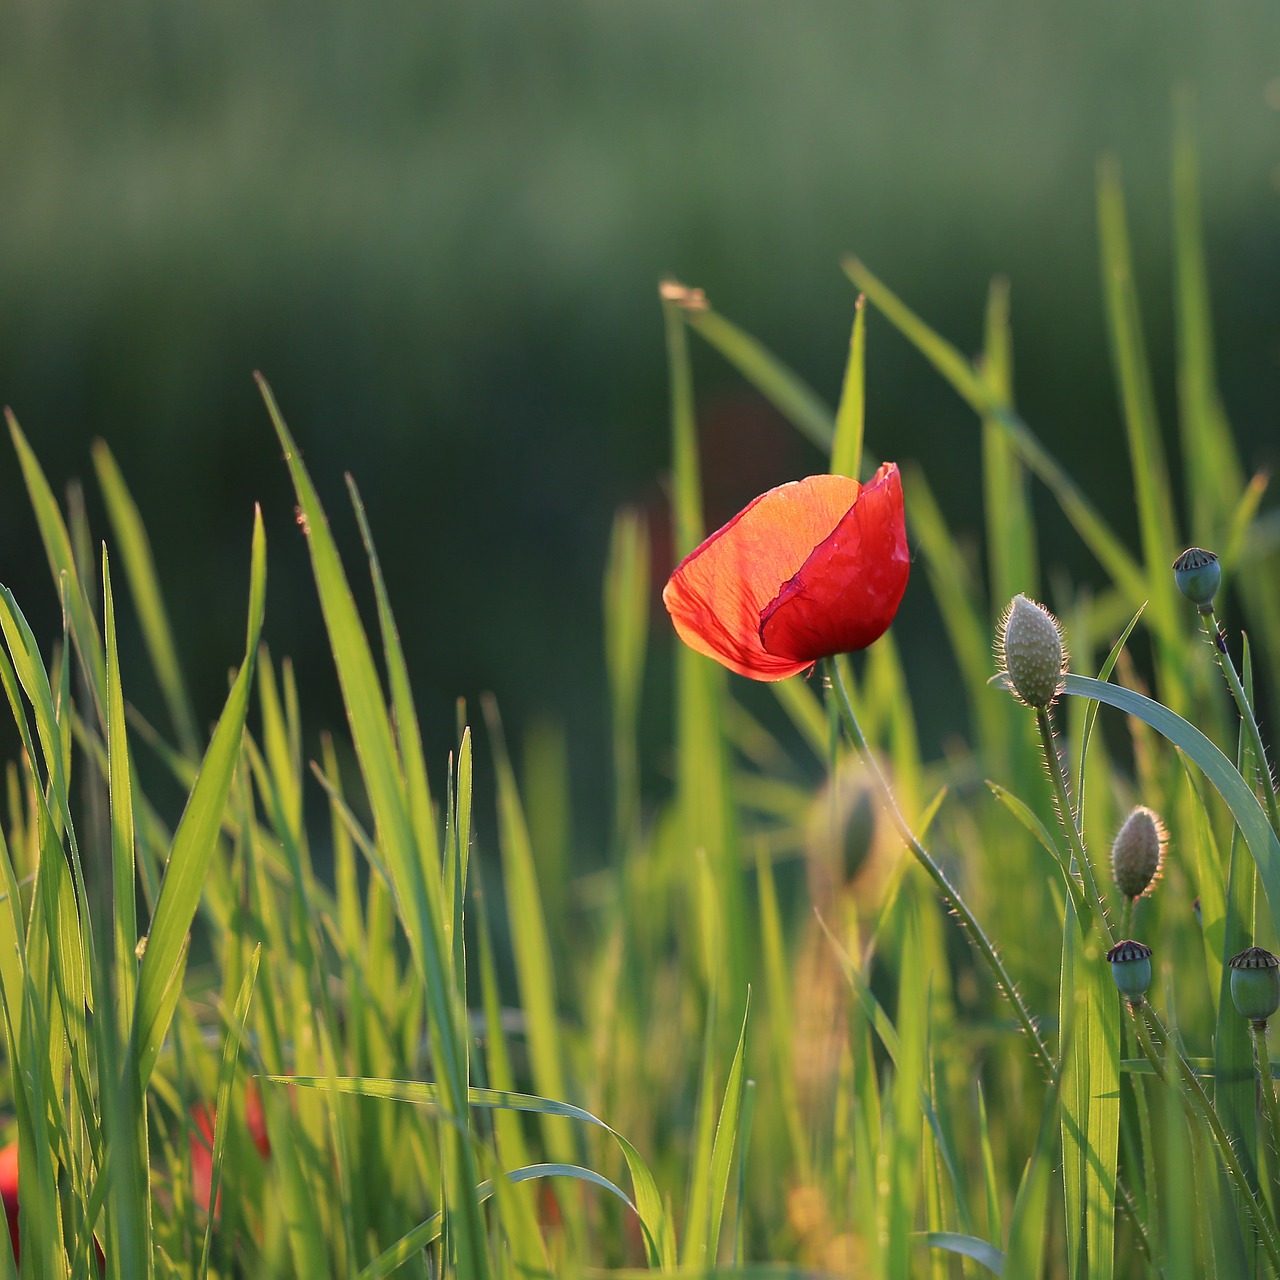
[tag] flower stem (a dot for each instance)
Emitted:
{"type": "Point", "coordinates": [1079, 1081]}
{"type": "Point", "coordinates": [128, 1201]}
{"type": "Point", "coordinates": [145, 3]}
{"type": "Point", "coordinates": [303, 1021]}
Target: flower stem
{"type": "Point", "coordinates": [1067, 817]}
{"type": "Point", "coordinates": [1196, 1098]}
{"type": "Point", "coordinates": [950, 894]}
{"type": "Point", "coordinates": [958, 907]}
{"type": "Point", "coordinates": [1218, 642]}
{"type": "Point", "coordinates": [1263, 1057]}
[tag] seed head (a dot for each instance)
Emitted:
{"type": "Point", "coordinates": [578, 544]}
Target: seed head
{"type": "Point", "coordinates": [1137, 855]}
{"type": "Point", "coordinates": [1131, 969]}
{"type": "Point", "coordinates": [1199, 575]}
{"type": "Point", "coordinates": [1255, 983]}
{"type": "Point", "coordinates": [1030, 651]}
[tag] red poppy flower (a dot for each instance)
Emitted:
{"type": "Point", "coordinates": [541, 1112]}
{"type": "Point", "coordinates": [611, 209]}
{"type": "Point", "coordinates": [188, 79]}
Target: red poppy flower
{"type": "Point", "coordinates": [810, 569]}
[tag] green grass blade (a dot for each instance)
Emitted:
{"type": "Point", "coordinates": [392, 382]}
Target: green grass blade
{"type": "Point", "coordinates": [57, 544]}
{"type": "Point", "coordinates": [1146, 451]}
{"type": "Point", "coordinates": [416, 878]}
{"type": "Point", "coordinates": [1011, 531]}
{"type": "Point", "coordinates": [627, 591]}
{"type": "Point", "coordinates": [1029, 1224]}
{"type": "Point", "coordinates": [140, 570]}
{"type": "Point", "coordinates": [194, 841]}
{"type": "Point", "coordinates": [936, 349]}
{"type": "Point", "coordinates": [535, 970]}
{"type": "Point", "coordinates": [981, 1251]}
{"type": "Point", "coordinates": [726, 1137]}
{"type": "Point", "coordinates": [222, 1108]}
{"type": "Point", "coordinates": [792, 397]}
{"type": "Point", "coordinates": [648, 1201]}
{"type": "Point", "coordinates": [1209, 454]}
{"type": "Point", "coordinates": [846, 447]}
{"type": "Point", "coordinates": [1263, 843]}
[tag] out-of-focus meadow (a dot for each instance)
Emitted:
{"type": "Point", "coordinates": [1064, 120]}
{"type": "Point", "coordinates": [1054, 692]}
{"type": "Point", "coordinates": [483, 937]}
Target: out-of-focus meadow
{"type": "Point", "coordinates": [438, 230]}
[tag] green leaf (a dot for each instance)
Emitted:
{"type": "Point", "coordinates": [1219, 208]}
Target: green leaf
{"type": "Point", "coordinates": [981, 1251]}
{"type": "Point", "coordinates": [846, 447]}
{"type": "Point", "coordinates": [140, 570]}
{"type": "Point", "coordinates": [194, 842]}
{"type": "Point", "coordinates": [1263, 843]}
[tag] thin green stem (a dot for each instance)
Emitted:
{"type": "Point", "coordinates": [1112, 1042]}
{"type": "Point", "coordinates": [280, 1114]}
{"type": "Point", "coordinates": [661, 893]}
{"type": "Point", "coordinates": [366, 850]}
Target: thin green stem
{"type": "Point", "coordinates": [1194, 1094]}
{"type": "Point", "coordinates": [1067, 817]}
{"type": "Point", "coordinates": [1263, 1057]}
{"type": "Point", "coordinates": [1218, 642]}
{"type": "Point", "coordinates": [950, 893]}
{"type": "Point", "coordinates": [1127, 911]}
{"type": "Point", "coordinates": [958, 907]}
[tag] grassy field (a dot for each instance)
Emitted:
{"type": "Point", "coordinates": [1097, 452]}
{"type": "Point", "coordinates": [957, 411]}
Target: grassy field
{"type": "Point", "coordinates": [827, 1006]}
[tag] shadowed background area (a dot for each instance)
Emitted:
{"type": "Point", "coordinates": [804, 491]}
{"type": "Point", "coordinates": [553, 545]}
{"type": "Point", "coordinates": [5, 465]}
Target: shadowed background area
{"type": "Point", "coordinates": [438, 229]}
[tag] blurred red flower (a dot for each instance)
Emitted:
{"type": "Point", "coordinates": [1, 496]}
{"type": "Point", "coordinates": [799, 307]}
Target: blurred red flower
{"type": "Point", "coordinates": [810, 569]}
{"type": "Point", "coordinates": [9, 1194]}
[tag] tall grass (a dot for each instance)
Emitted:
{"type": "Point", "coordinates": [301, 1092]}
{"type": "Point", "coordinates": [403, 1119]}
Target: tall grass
{"type": "Point", "coordinates": [287, 1038]}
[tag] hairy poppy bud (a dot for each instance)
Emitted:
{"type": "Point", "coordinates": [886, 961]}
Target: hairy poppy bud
{"type": "Point", "coordinates": [1030, 651]}
{"type": "Point", "coordinates": [1255, 983]}
{"type": "Point", "coordinates": [1138, 853]}
{"type": "Point", "coordinates": [1198, 575]}
{"type": "Point", "coordinates": [1131, 968]}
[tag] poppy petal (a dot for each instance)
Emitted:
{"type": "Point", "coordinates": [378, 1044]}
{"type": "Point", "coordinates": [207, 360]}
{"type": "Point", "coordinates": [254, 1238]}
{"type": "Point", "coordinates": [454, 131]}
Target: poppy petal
{"type": "Point", "coordinates": [848, 590]}
{"type": "Point", "coordinates": [718, 592]}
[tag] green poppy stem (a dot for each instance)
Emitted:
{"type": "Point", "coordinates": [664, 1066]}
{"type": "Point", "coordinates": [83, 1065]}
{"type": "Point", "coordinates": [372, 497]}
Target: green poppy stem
{"type": "Point", "coordinates": [1218, 643]}
{"type": "Point", "coordinates": [1069, 820]}
{"type": "Point", "coordinates": [1196, 1099]}
{"type": "Point", "coordinates": [950, 894]}
{"type": "Point", "coordinates": [1269, 1106]}
{"type": "Point", "coordinates": [959, 908]}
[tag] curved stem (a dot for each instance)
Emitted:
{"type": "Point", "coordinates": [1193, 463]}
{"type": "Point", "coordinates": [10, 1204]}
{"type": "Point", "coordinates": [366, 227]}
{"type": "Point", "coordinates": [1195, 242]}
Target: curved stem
{"type": "Point", "coordinates": [1269, 1106]}
{"type": "Point", "coordinates": [1068, 819]}
{"type": "Point", "coordinates": [949, 892]}
{"type": "Point", "coordinates": [1218, 643]}
{"type": "Point", "coordinates": [1196, 1096]}
{"type": "Point", "coordinates": [958, 907]}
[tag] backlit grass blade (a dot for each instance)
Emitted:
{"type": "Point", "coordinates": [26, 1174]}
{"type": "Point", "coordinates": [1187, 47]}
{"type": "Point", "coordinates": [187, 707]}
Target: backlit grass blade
{"type": "Point", "coordinates": [408, 735]}
{"type": "Point", "coordinates": [1209, 452]}
{"type": "Point", "coordinates": [1264, 845]}
{"type": "Point", "coordinates": [705, 803]}
{"type": "Point", "coordinates": [139, 566]}
{"type": "Point", "coordinates": [195, 839]}
{"type": "Point", "coordinates": [627, 591]}
{"type": "Point", "coordinates": [792, 397]}
{"type": "Point", "coordinates": [415, 1241]}
{"type": "Point", "coordinates": [1103, 1030]}
{"type": "Point", "coordinates": [981, 1251]}
{"type": "Point", "coordinates": [846, 446]}
{"type": "Point", "coordinates": [937, 350]}
{"type": "Point", "coordinates": [124, 884]}
{"type": "Point", "coordinates": [1028, 1226]}
{"type": "Point", "coordinates": [725, 1139]}
{"type": "Point", "coordinates": [1011, 531]}
{"type": "Point", "coordinates": [648, 1201]}
{"type": "Point", "coordinates": [1146, 451]}
{"type": "Point", "coordinates": [415, 875]}
{"type": "Point", "coordinates": [222, 1109]}
{"type": "Point", "coordinates": [535, 969]}
{"type": "Point", "coordinates": [57, 545]}
{"type": "Point", "coordinates": [1109, 550]}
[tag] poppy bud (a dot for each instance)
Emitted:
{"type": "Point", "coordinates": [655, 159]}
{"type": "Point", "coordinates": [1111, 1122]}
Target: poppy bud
{"type": "Point", "coordinates": [1131, 968]}
{"type": "Point", "coordinates": [1030, 651]}
{"type": "Point", "coordinates": [1198, 575]}
{"type": "Point", "coordinates": [1138, 853]}
{"type": "Point", "coordinates": [1255, 984]}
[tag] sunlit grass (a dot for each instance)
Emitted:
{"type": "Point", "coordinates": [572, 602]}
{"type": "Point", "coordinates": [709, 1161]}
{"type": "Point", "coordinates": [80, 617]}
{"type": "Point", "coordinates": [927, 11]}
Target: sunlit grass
{"type": "Point", "coordinates": [758, 1040]}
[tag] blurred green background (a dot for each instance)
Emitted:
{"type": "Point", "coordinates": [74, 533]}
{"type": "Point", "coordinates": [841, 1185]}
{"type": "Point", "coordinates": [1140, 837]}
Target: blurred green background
{"type": "Point", "coordinates": [438, 230]}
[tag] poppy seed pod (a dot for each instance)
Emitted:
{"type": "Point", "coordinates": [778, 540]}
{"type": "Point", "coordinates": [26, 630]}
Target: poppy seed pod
{"type": "Point", "coordinates": [1198, 575]}
{"type": "Point", "coordinates": [810, 569]}
{"type": "Point", "coordinates": [1138, 853]}
{"type": "Point", "coordinates": [1255, 984]}
{"type": "Point", "coordinates": [1131, 969]}
{"type": "Point", "coordinates": [1030, 651]}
